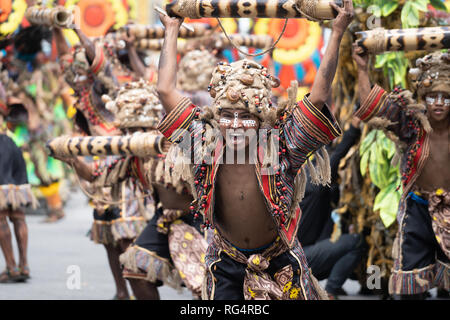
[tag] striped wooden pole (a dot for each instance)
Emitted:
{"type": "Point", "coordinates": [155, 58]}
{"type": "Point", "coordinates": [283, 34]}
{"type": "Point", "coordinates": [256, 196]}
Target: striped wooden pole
{"type": "Point", "coordinates": [195, 9]}
{"type": "Point", "coordinates": [140, 31]}
{"type": "Point", "coordinates": [58, 16]}
{"type": "Point", "coordinates": [381, 40]}
{"type": "Point", "coordinates": [140, 145]}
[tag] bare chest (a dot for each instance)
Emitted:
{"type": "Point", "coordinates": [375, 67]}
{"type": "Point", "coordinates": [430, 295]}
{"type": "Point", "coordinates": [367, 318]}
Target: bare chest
{"type": "Point", "coordinates": [238, 184]}
{"type": "Point", "coordinates": [436, 171]}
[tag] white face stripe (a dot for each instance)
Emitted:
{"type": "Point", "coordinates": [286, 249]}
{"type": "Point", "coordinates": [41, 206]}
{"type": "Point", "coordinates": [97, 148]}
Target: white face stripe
{"type": "Point", "coordinates": [438, 99]}
{"type": "Point", "coordinates": [245, 123]}
{"type": "Point", "coordinates": [249, 123]}
{"type": "Point", "coordinates": [430, 100]}
{"type": "Point", "coordinates": [225, 121]}
{"type": "Point", "coordinates": [235, 123]}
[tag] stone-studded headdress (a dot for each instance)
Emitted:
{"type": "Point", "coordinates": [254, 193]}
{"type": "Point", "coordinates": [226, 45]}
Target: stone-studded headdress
{"type": "Point", "coordinates": [432, 74]}
{"type": "Point", "coordinates": [244, 84]}
{"type": "Point", "coordinates": [195, 70]}
{"type": "Point", "coordinates": [96, 70]}
{"type": "Point", "coordinates": [136, 106]}
{"type": "Point", "coordinates": [79, 62]}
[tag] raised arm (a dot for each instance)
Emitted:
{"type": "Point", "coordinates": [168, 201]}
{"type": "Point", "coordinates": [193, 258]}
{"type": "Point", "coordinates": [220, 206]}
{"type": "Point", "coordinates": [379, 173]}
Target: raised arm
{"type": "Point", "coordinates": [87, 44]}
{"type": "Point", "coordinates": [61, 45]}
{"type": "Point", "coordinates": [364, 85]}
{"type": "Point", "coordinates": [167, 69]}
{"type": "Point", "coordinates": [322, 83]}
{"type": "Point", "coordinates": [136, 63]}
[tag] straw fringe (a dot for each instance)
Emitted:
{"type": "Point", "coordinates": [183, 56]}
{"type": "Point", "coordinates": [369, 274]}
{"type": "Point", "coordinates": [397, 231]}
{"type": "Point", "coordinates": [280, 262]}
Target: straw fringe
{"type": "Point", "coordinates": [17, 196]}
{"type": "Point", "coordinates": [156, 269]}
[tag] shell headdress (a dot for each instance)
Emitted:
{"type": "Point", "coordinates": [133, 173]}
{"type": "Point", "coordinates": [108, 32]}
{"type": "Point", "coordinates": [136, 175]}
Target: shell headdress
{"type": "Point", "coordinates": [195, 69]}
{"type": "Point", "coordinates": [432, 74]}
{"type": "Point", "coordinates": [244, 84]}
{"type": "Point", "coordinates": [136, 106]}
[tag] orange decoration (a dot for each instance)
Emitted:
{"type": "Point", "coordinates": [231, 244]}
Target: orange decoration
{"type": "Point", "coordinates": [97, 17]}
{"type": "Point", "coordinates": [295, 35]}
{"type": "Point", "coordinates": [5, 7]}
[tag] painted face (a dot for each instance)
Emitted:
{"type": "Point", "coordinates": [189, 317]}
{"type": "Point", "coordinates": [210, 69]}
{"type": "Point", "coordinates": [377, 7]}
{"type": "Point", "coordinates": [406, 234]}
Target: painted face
{"type": "Point", "coordinates": [81, 78]}
{"type": "Point", "coordinates": [438, 105]}
{"type": "Point", "coordinates": [238, 127]}
{"type": "Point", "coordinates": [237, 120]}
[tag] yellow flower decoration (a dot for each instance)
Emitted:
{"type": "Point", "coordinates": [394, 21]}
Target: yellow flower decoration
{"type": "Point", "coordinates": [294, 293]}
{"type": "Point", "coordinates": [252, 293]}
{"type": "Point", "coordinates": [287, 286]}
{"type": "Point", "coordinates": [18, 9]}
{"type": "Point", "coordinates": [71, 111]}
{"type": "Point", "coordinates": [188, 236]}
{"type": "Point", "coordinates": [256, 261]}
{"type": "Point", "coordinates": [439, 192]}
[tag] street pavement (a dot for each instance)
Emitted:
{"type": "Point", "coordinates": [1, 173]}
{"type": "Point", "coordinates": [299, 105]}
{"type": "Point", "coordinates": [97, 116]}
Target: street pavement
{"type": "Point", "coordinates": [66, 265]}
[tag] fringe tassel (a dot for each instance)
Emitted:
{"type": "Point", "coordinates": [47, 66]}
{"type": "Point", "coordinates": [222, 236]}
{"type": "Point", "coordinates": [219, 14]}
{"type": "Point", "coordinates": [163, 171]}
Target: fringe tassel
{"type": "Point", "coordinates": [423, 121]}
{"type": "Point", "coordinates": [11, 198]}
{"type": "Point", "coordinates": [159, 171]}
{"type": "Point", "coordinates": [155, 268]}
{"type": "Point", "coordinates": [300, 187]}
{"type": "Point", "coordinates": [321, 168]}
{"type": "Point", "coordinates": [380, 123]}
{"type": "Point", "coordinates": [3, 202]}
{"type": "Point", "coordinates": [312, 172]}
{"type": "Point", "coordinates": [326, 158]}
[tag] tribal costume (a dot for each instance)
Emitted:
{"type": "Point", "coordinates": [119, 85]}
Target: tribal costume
{"type": "Point", "coordinates": [121, 216]}
{"type": "Point", "coordinates": [279, 271]}
{"type": "Point", "coordinates": [421, 247]}
{"type": "Point", "coordinates": [171, 249]}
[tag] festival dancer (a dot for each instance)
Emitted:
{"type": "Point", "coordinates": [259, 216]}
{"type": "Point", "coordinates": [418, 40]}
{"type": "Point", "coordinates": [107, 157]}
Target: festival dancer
{"type": "Point", "coordinates": [419, 124]}
{"type": "Point", "coordinates": [252, 206]}
{"type": "Point", "coordinates": [171, 248]}
{"type": "Point", "coordinates": [91, 75]}
{"type": "Point", "coordinates": [15, 195]}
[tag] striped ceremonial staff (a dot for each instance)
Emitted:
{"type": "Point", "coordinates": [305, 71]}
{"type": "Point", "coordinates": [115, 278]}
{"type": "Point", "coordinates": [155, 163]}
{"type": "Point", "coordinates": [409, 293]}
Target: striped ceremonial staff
{"type": "Point", "coordinates": [140, 31]}
{"type": "Point", "coordinates": [140, 145]}
{"type": "Point", "coordinates": [220, 41]}
{"type": "Point", "coordinates": [311, 9]}
{"type": "Point", "coordinates": [381, 40]}
{"type": "Point", "coordinates": [58, 16]}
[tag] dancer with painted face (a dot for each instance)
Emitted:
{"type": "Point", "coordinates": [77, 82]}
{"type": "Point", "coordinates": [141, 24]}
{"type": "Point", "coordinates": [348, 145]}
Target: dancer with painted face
{"type": "Point", "coordinates": [91, 75]}
{"type": "Point", "coordinates": [419, 124]}
{"type": "Point", "coordinates": [171, 249]}
{"type": "Point", "coordinates": [252, 205]}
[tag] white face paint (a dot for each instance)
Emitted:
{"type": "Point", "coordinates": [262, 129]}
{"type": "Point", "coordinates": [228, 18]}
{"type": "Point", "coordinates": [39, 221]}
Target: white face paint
{"type": "Point", "coordinates": [249, 123]}
{"type": "Point", "coordinates": [224, 121]}
{"type": "Point", "coordinates": [236, 117]}
{"type": "Point", "coordinates": [430, 100]}
{"type": "Point", "coordinates": [235, 121]}
{"type": "Point", "coordinates": [80, 78]}
{"type": "Point", "coordinates": [439, 98]}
